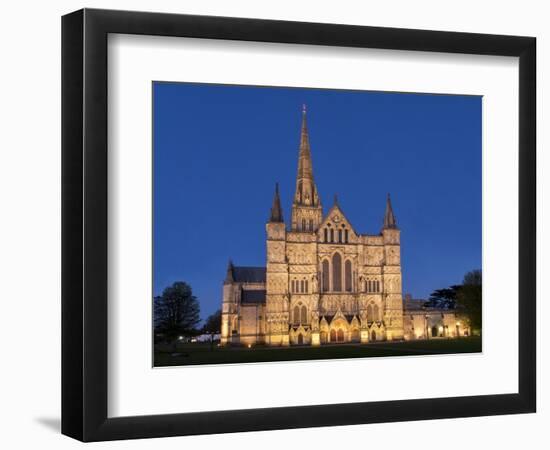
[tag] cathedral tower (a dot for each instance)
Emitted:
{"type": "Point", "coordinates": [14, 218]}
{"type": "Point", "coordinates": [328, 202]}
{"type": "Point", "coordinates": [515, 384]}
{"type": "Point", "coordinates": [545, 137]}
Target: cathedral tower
{"type": "Point", "coordinates": [393, 315]}
{"type": "Point", "coordinates": [307, 212]}
{"type": "Point", "coordinates": [276, 276]}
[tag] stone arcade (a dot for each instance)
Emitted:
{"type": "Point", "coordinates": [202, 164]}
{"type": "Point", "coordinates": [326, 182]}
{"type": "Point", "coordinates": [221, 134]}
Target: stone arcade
{"type": "Point", "coordinates": [323, 282]}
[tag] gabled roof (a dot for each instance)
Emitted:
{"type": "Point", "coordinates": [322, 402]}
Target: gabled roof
{"type": "Point", "coordinates": [336, 211]}
{"type": "Point", "coordinates": [244, 274]}
{"type": "Point", "coordinates": [253, 296]}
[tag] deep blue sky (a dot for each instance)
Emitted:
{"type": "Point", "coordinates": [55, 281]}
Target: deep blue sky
{"type": "Point", "coordinates": [218, 151]}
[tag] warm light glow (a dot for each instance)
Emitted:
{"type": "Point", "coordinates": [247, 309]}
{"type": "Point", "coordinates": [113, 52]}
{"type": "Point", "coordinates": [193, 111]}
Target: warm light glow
{"type": "Point", "coordinates": [458, 323]}
{"type": "Point", "coordinates": [440, 328]}
{"type": "Point", "coordinates": [249, 345]}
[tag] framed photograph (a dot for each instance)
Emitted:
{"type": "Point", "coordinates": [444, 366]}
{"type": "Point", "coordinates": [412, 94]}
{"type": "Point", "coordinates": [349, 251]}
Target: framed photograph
{"type": "Point", "coordinates": [273, 224]}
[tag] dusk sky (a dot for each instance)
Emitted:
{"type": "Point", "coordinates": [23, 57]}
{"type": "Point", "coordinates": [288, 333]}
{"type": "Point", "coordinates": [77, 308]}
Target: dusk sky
{"type": "Point", "coordinates": [218, 151]}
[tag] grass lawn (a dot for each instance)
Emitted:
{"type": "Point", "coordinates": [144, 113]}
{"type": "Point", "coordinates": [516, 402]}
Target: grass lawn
{"type": "Point", "coordinates": [200, 353]}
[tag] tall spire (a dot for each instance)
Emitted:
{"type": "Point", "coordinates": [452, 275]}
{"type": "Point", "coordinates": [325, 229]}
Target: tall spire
{"type": "Point", "coordinates": [389, 218]}
{"type": "Point", "coordinates": [306, 191]}
{"type": "Point", "coordinates": [305, 168]}
{"type": "Point", "coordinates": [307, 212]}
{"type": "Point", "coordinates": [276, 210]}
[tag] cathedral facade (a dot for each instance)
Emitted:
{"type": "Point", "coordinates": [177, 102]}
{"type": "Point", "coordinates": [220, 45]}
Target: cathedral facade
{"type": "Point", "coordinates": [324, 282]}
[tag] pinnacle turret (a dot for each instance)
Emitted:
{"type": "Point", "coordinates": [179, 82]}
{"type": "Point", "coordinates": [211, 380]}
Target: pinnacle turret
{"type": "Point", "coordinates": [389, 217]}
{"type": "Point", "coordinates": [229, 275]}
{"type": "Point", "coordinates": [276, 210]}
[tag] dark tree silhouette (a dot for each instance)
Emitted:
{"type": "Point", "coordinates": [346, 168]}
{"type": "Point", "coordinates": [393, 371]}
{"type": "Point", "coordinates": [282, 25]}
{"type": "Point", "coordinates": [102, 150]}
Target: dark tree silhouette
{"type": "Point", "coordinates": [468, 301]}
{"type": "Point", "coordinates": [176, 311]}
{"type": "Point", "coordinates": [213, 323]}
{"type": "Point", "coordinates": [213, 326]}
{"type": "Point", "coordinates": [444, 298]}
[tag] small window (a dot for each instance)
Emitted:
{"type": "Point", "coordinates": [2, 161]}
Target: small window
{"type": "Point", "coordinates": [346, 236]}
{"type": "Point", "coordinates": [331, 235]}
{"type": "Point", "coordinates": [340, 236]}
{"type": "Point", "coordinates": [326, 234]}
{"type": "Point", "coordinates": [303, 224]}
{"type": "Point", "coordinates": [310, 225]}
{"type": "Point", "coordinates": [306, 290]}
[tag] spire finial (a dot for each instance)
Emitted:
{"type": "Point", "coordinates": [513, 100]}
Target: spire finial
{"type": "Point", "coordinates": [389, 217]}
{"type": "Point", "coordinates": [276, 210]}
{"type": "Point", "coordinates": [304, 108]}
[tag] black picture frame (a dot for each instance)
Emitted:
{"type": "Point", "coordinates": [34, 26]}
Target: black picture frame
{"type": "Point", "coordinates": [84, 224]}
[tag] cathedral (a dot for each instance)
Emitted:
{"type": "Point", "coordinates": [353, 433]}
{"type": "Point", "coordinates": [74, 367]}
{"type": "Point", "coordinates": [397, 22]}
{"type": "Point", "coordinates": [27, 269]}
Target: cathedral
{"type": "Point", "coordinates": [324, 282]}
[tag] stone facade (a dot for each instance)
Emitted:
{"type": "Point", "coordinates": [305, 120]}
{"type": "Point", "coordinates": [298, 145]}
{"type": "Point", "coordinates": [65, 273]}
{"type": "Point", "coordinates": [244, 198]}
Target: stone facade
{"type": "Point", "coordinates": [323, 282]}
{"type": "Point", "coordinates": [420, 322]}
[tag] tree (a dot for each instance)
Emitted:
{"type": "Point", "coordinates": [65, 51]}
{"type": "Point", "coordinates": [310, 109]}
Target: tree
{"type": "Point", "coordinates": [176, 311]}
{"type": "Point", "coordinates": [444, 298]}
{"type": "Point", "coordinates": [213, 326]}
{"type": "Point", "coordinates": [468, 300]}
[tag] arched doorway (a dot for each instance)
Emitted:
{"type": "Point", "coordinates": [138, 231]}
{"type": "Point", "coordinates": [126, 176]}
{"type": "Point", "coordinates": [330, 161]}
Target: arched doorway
{"type": "Point", "coordinates": [332, 335]}
{"type": "Point", "coordinates": [434, 331]}
{"type": "Point", "coordinates": [300, 339]}
{"type": "Point", "coordinates": [355, 336]}
{"type": "Point", "coordinates": [323, 337]}
{"type": "Point", "coordinates": [340, 335]}
{"type": "Point", "coordinates": [373, 336]}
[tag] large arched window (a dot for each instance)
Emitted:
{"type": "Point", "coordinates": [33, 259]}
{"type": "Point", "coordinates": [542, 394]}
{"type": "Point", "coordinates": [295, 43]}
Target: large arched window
{"type": "Point", "coordinates": [376, 313]}
{"type": "Point", "coordinates": [326, 276]}
{"type": "Point", "coordinates": [303, 224]}
{"type": "Point", "coordinates": [347, 276]}
{"type": "Point", "coordinates": [369, 313]}
{"type": "Point", "coordinates": [296, 314]}
{"type": "Point", "coordinates": [303, 316]}
{"type": "Point", "coordinates": [302, 286]}
{"type": "Point", "coordinates": [310, 224]}
{"type": "Point", "coordinates": [337, 273]}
